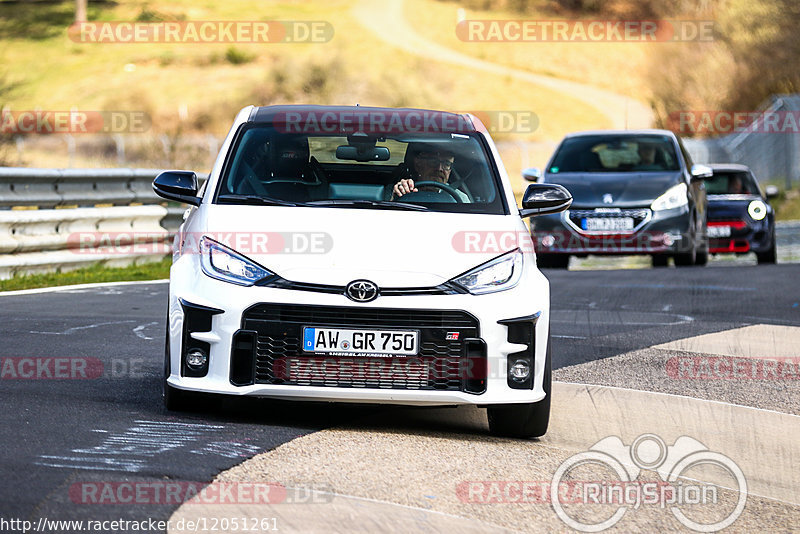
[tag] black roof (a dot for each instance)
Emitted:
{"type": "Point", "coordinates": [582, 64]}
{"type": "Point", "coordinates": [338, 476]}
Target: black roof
{"type": "Point", "coordinates": [353, 118]}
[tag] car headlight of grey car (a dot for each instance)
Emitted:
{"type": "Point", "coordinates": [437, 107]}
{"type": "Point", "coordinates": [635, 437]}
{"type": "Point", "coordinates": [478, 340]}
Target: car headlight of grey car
{"type": "Point", "coordinates": [675, 197]}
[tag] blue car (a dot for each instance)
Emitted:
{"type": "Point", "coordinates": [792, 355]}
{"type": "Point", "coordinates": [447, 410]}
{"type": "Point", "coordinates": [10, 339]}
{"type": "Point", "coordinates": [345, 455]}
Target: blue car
{"type": "Point", "coordinates": [740, 218]}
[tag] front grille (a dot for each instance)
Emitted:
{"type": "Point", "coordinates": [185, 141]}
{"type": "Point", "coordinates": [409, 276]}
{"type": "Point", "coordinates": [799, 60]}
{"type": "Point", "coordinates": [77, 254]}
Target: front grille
{"type": "Point", "coordinates": [440, 365]}
{"type": "Point", "coordinates": [365, 317]}
{"type": "Point", "coordinates": [639, 215]}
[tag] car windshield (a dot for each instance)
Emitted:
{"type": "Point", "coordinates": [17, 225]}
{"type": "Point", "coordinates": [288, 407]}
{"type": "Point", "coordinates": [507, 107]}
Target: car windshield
{"type": "Point", "coordinates": [731, 183]}
{"type": "Point", "coordinates": [273, 167]}
{"type": "Point", "coordinates": [615, 153]}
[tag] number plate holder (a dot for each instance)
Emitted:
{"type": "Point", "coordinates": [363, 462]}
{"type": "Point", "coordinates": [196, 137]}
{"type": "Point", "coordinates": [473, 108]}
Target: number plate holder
{"type": "Point", "coordinates": [358, 341]}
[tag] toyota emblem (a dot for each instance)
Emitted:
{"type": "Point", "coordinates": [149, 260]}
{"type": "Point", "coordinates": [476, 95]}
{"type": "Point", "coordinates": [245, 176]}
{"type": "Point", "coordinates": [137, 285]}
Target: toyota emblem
{"type": "Point", "coordinates": [361, 291]}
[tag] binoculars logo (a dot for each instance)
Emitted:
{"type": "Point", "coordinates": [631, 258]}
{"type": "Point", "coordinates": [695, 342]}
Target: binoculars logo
{"type": "Point", "coordinates": [683, 459]}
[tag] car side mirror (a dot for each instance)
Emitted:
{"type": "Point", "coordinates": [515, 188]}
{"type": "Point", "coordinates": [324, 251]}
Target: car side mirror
{"type": "Point", "coordinates": [177, 185]}
{"type": "Point", "coordinates": [771, 191]}
{"type": "Point", "coordinates": [701, 172]}
{"type": "Point", "coordinates": [532, 175]}
{"type": "Point", "coordinates": [544, 199]}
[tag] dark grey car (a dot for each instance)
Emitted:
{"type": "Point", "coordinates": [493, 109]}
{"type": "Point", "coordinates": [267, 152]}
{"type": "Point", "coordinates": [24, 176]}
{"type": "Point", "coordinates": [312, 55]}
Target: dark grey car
{"type": "Point", "coordinates": [634, 191]}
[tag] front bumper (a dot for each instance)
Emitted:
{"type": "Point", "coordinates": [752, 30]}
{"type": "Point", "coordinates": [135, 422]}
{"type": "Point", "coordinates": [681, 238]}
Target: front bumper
{"type": "Point", "coordinates": [743, 235]}
{"type": "Point", "coordinates": [655, 232]}
{"type": "Point", "coordinates": [251, 336]}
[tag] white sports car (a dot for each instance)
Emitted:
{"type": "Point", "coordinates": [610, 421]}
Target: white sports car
{"type": "Point", "coordinates": [366, 255]}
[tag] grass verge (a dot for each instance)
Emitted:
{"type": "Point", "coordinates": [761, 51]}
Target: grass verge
{"type": "Point", "coordinates": [90, 275]}
{"type": "Point", "coordinates": [787, 206]}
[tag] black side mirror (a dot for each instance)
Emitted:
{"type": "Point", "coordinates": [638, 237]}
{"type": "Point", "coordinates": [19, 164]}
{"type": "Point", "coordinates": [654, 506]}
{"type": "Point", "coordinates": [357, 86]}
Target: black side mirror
{"type": "Point", "coordinates": [544, 199]}
{"type": "Point", "coordinates": [177, 185]}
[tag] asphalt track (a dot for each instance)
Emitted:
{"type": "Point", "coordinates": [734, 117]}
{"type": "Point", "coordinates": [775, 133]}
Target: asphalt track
{"type": "Point", "coordinates": [60, 435]}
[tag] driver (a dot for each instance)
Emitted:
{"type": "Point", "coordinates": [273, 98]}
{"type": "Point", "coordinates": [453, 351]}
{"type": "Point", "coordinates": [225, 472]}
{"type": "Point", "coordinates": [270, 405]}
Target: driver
{"type": "Point", "coordinates": [647, 157]}
{"type": "Point", "coordinates": [428, 165]}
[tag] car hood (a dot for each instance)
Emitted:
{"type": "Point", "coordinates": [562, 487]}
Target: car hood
{"type": "Point", "coordinates": [627, 189]}
{"type": "Point", "coordinates": [729, 206]}
{"type": "Point", "coordinates": [338, 245]}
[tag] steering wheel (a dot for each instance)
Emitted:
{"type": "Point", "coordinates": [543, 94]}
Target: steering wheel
{"type": "Point", "coordinates": [450, 190]}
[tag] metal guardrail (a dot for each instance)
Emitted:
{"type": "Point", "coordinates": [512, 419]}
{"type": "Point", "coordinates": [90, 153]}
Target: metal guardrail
{"type": "Point", "coordinates": [53, 188]}
{"type": "Point", "coordinates": [76, 217]}
{"type": "Point", "coordinates": [773, 156]}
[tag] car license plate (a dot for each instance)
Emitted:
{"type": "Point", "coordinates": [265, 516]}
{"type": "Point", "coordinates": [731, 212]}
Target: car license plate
{"type": "Point", "coordinates": [719, 231]}
{"type": "Point", "coordinates": [328, 340]}
{"type": "Point", "coordinates": [608, 224]}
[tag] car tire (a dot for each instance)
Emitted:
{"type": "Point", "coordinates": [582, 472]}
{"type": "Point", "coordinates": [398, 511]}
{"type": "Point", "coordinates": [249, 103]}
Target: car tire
{"type": "Point", "coordinates": [703, 253]}
{"type": "Point", "coordinates": [552, 261]}
{"type": "Point", "coordinates": [769, 256]}
{"type": "Point", "coordinates": [688, 259]}
{"type": "Point", "coordinates": [701, 258]}
{"type": "Point", "coordinates": [685, 260]}
{"type": "Point", "coordinates": [524, 420]}
{"type": "Point", "coordinates": [175, 400]}
{"type": "Point", "coordinates": [660, 260]}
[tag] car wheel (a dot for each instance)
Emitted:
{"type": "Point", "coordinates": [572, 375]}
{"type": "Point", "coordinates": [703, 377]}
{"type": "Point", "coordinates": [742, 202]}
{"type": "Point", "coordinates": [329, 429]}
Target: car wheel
{"type": "Point", "coordinates": [552, 261]}
{"type": "Point", "coordinates": [768, 256]}
{"type": "Point", "coordinates": [660, 260]}
{"type": "Point", "coordinates": [688, 259]}
{"type": "Point", "coordinates": [703, 254]}
{"type": "Point", "coordinates": [524, 420]}
{"type": "Point", "coordinates": [701, 258]}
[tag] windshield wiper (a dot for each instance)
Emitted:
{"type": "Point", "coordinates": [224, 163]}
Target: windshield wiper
{"type": "Point", "coordinates": [266, 201]}
{"type": "Point", "coordinates": [380, 204]}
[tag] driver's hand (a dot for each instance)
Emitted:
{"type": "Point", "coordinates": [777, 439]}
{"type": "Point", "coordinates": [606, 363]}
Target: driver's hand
{"type": "Point", "coordinates": [406, 185]}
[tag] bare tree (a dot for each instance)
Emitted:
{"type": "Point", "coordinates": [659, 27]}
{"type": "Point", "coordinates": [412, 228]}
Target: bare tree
{"type": "Point", "coordinates": [80, 10]}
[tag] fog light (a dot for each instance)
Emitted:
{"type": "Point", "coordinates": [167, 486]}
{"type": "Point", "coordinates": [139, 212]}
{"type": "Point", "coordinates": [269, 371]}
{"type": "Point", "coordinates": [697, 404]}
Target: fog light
{"type": "Point", "coordinates": [548, 241]}
{"type": "Point", "coordinates": [668, 241]}
{"type": "Point", "coordinates": [196, 359]}
{"type": "Point", "coordinates": [520, 370]}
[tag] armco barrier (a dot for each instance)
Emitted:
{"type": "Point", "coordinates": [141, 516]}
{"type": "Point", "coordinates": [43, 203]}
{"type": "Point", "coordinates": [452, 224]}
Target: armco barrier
{"type": "Point", "coordinates": [48, 240]}
{"type": "Point", "coordinates": [53, 188]}
{"type": "Point", "coordinates": [43, 211]}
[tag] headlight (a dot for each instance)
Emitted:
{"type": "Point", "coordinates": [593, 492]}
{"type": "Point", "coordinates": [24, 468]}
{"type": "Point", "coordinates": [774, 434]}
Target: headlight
{"type": "Point", "coordinates": [222, 263]}
{"type": "Point", "coordinates": [675, 197]}
{"type": "Point", "coordinates": [498, 274]}
{"type": "Point", "coordinates": [757, 210]}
